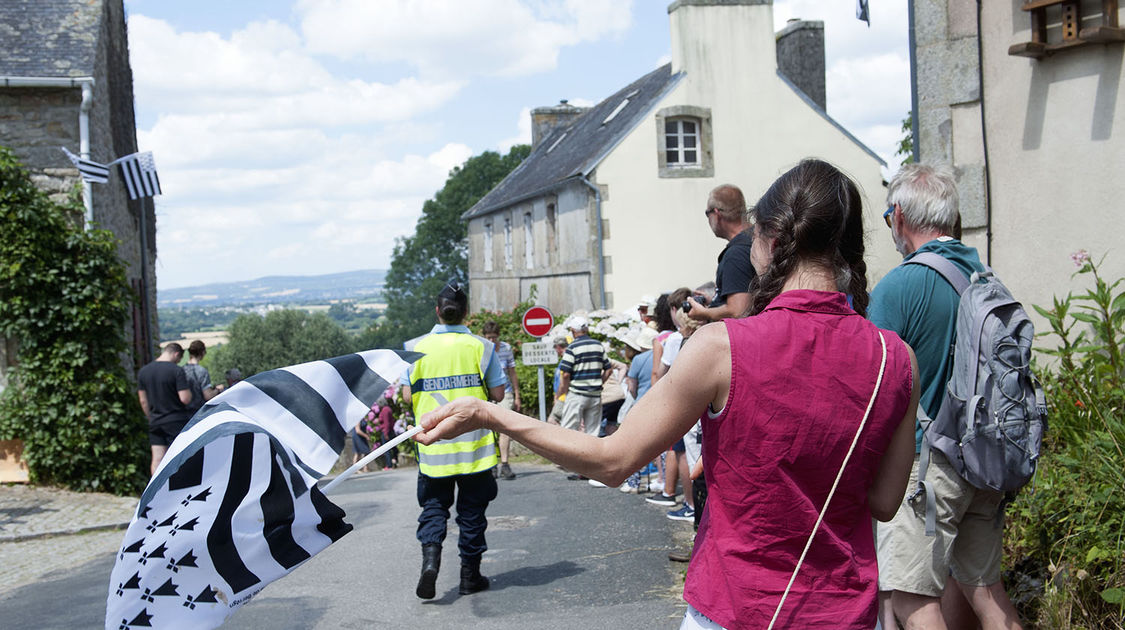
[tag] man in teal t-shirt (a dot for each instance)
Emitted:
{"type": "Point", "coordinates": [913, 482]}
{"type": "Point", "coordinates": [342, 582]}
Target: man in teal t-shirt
{"type": "Point", "coordinates": [919, 305]}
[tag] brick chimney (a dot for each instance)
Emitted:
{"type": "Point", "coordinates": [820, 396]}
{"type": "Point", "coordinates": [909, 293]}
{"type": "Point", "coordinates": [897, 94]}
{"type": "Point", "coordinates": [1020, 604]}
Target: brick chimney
{"type": "Point", "coordinates": [800, 57]}
{"type": "Point", "coordinates": [544, 120]}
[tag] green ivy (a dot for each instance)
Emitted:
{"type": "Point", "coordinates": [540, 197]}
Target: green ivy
{"type": "Point", "coordinates": [64, 298]}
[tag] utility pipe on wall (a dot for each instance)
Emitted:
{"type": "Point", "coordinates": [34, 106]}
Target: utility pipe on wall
{"type": "Point", "coordinates": [601, 242]}
{"type": "Point", "coordinates": [84, 146]}
{"type": "Point", "coordinates": [87, 85]}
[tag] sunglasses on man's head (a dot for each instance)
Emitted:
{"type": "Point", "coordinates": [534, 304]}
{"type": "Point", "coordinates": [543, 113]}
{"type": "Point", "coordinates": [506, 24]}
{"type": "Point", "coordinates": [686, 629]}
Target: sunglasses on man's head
{"type": "Point", "coordinates": [887, 215]}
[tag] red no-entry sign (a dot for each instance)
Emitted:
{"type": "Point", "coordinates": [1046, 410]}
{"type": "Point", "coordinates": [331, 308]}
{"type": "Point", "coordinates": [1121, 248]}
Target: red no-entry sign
{"type": "Point", "coordinates": [538, 321]}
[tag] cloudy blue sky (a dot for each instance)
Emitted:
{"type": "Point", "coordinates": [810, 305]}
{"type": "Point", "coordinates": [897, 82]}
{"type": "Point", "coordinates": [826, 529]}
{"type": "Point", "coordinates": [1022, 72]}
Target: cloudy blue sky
{"type": "Point", "coordinates": [302, 137]}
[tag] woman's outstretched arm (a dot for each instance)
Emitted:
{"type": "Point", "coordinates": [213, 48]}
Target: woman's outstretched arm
{"type": "Point", "coordinates": [700, 376]}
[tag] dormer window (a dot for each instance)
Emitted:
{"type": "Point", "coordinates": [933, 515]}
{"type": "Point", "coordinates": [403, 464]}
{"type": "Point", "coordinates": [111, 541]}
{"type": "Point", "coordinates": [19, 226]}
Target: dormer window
{"type": "Point", "coordinates": [684, 142]}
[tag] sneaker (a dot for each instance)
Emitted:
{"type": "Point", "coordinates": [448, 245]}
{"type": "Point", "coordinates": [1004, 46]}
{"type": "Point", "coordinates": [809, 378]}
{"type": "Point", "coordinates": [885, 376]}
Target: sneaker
{"type": "Point", "coordinates": [506, 472]}
{"type": "Point", "coordinates": [656, 486]}
{"type": "Point", "coordinates": [661, 499]}
{"type": "Point", "coordinates": [576, 477]}
{"type": "Point", "coordinates": [596, 483]}
{"type": "Point", "coordinates": [627, 489]}
{"type": "Point", "coordinates": [685, 513]}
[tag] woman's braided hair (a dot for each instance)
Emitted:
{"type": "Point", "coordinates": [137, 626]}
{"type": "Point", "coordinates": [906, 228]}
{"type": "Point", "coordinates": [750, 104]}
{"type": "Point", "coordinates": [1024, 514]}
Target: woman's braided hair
{"type": "Point", "coordinates": [814, 213]}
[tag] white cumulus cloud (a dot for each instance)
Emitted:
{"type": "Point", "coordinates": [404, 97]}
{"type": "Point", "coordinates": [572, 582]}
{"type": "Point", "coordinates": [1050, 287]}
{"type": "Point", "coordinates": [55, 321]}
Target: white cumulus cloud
{"type": "Point", "coordinates": [456, 38]}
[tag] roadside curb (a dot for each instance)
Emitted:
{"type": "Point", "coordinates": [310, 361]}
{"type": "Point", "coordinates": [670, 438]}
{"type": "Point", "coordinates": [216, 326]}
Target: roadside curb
{"type": "Point", "coordinates": [64, 532]}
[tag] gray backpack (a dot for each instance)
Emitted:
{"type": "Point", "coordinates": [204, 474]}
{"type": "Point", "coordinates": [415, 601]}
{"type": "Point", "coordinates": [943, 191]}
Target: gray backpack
{"type": "Point", "coordinates": [993, 414]}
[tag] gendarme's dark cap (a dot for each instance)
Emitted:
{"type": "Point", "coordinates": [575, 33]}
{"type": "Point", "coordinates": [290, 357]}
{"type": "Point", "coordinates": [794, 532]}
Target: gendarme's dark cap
{"type": "Point", "coordinates": [453, 292]}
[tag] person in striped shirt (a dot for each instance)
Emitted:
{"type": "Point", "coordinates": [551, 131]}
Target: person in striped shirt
{"type": "Point", "coordinates": [584, 367]}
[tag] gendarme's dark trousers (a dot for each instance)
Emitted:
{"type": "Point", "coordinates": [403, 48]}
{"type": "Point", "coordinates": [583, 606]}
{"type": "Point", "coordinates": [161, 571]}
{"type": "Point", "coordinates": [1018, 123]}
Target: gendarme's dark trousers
{"type": "Point", "coordinates": [435, 496]}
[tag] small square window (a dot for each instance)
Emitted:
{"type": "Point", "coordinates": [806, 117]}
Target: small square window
{"type": "Point", "coordinates": [684, 146]}
{"type": "Point", "coordinates": [680, 141]}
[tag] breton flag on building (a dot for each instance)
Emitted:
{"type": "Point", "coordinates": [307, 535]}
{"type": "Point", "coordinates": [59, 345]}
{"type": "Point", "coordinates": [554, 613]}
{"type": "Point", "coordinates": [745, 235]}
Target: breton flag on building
{"type": "Point", "coordinates": [139, 172]}
{"type": "Point", "coordinates": [89, 170]}
{"type": "Point", "coordinates": [234, 504]}
{"type": "Point", "coordinates": [861, 11]}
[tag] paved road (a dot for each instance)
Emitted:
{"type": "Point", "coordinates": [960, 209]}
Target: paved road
{"type": "Point", "coordinates": [561, 555]}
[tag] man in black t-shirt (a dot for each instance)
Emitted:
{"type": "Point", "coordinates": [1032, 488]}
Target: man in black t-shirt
{"type": "Point", "coordinates": [726, 214]}
{"type": "Point", "coordinates": [164, 392]}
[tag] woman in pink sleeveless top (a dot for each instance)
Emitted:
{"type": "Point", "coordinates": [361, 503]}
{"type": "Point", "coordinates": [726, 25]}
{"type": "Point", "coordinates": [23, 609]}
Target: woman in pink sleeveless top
{"type": "Point", "coordinates": [782, 395]}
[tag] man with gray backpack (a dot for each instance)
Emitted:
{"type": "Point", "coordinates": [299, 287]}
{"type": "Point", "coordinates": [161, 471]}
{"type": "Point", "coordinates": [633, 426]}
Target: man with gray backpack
{"type": "Point", "coordinates": [973, 344]}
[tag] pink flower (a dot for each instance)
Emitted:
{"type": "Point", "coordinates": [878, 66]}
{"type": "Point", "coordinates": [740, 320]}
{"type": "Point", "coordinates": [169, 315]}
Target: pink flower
{"type": "Point", "coordinates": [1080, 257]}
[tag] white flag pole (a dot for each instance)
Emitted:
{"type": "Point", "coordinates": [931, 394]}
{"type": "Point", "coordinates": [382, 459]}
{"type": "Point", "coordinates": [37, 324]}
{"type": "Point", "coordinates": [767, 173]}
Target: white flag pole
{"type": "Point", "coordinates": [370, 458]}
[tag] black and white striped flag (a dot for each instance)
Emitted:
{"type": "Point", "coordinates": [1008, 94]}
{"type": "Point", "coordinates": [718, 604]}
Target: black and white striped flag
{"type": "Point", "coordinates": [862, 12]}
{"type": "Point", "coordinates": [234, 504]}
{"type": "Point", "coordinates": [139, 172]}
{"type": "Point", "coordinates": [89, 170]}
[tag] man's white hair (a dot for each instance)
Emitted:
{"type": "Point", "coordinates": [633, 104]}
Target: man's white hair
{"type": "Point", "coordinates": [928, 197]}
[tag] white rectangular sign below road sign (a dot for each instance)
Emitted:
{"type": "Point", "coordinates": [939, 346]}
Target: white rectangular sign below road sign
{"type": "Point", "coordinates": [539, 353]}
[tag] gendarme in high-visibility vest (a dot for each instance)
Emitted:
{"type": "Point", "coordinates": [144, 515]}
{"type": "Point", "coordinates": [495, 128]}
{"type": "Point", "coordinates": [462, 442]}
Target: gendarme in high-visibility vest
{"type": "Point", "coordinates": [453, 367]}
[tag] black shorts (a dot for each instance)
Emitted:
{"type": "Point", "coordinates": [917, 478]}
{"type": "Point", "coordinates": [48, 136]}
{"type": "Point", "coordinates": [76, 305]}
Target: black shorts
{"type": "Point", "coordinates": [679, 447]}
{"type": "Point", "coordinates": [162, 434]}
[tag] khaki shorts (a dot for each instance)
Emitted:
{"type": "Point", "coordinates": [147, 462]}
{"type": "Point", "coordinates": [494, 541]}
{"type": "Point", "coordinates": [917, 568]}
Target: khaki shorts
{"type": "Point", "coordinates": [509, 401]}
{"type": "Point", "coordinates": [968, 541]}
{"type": "Point", "coordinates": [582, 413]}
{"type": "Point", "coordinates": [556, 411]}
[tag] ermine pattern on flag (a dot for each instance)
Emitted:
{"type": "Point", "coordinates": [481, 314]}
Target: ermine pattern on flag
{"type": "Point", "coordinates": [234, 504]}
{"type": "Point", "coordinates": [89, 170]}
{"type": "Point", "coordinates": [139, 172]}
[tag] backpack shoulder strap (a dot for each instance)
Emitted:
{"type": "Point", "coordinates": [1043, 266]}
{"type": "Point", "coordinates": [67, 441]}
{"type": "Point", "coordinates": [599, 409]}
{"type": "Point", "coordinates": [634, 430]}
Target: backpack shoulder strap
{"type": "Point", "coordinates": [925, 488]}
{"type": "Point", "coordinates": [943, 266]}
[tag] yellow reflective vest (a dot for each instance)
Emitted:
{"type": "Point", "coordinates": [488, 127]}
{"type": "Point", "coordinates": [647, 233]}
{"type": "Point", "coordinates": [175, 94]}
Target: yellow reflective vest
{"type": "Point", "coordinates": [453, 367]}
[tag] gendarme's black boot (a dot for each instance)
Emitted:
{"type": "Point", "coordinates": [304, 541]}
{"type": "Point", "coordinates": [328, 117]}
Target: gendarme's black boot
{"type": "Point", "coordinates": [471, 579]}
{"type": "Point", "coordinates": [431, 562]}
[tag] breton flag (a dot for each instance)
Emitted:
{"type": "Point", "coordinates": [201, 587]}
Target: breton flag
{"type": "Point", "coordinates": [861, 12]}
{"type": "Point", "coordinates": [139, 172]}
{"type": "Point", "coordinates": [89, 170]}
{"type": "Point", "coordinates": [234, 504]}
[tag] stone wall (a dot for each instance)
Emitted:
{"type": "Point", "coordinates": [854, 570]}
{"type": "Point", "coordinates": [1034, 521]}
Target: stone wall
{"type": "Point", "coordinates": [35, 122]}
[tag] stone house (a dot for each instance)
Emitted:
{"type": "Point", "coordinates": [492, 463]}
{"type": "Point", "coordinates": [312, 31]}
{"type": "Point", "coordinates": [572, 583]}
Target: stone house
{"type": "Point", "coordinates": [609, 204]}
{"type": "Point", "coordinates": [1022, 99]}
{"type": "Point", "coordinates": [65, 81]}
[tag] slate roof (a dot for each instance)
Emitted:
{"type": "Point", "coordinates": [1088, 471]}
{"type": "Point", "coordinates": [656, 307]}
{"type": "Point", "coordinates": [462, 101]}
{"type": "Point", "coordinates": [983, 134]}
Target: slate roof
{"type": "Point", "coordinates": [576, 149]}
{"type": "Point", "coordinates": [48, 38]}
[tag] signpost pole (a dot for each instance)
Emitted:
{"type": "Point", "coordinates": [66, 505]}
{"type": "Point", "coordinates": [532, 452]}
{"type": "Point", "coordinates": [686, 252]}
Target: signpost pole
{"type": "Point", "coordinates": [542, 403]}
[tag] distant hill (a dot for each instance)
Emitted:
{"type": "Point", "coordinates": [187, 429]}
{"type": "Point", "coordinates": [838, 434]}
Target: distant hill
{"type": "Point", "coordinates": [366, 283]}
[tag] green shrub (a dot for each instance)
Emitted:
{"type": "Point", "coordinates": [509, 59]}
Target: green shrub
{"type": "Point", "coordinates": [64, 297]}
{"type": "Point", "coordinates": [1068, 533]}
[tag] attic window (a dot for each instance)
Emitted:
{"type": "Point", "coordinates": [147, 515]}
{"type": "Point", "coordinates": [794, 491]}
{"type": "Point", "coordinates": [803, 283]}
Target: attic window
{"type": "Point", "coordinates": [681, 142]}
{"type": "Point", "coordinates": [556, 142]}
{"type": "Point", "coordinates": [616, 111]}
